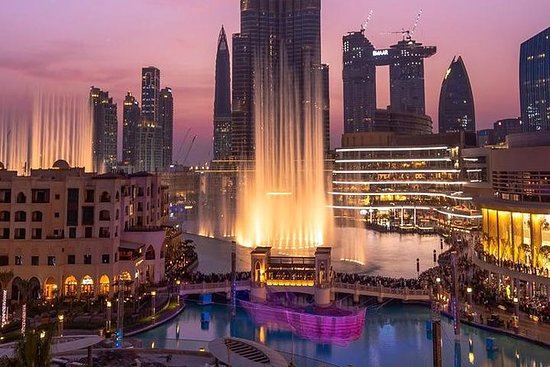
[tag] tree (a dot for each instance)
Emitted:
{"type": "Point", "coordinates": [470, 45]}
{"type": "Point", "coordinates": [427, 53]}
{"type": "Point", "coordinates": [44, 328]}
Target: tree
{"type": "Point", "coordinates": [5, 278]}
{"type": "Point", "coordinates": [25, 288]}
{"type": "Point", "coordinates": [32, 350]}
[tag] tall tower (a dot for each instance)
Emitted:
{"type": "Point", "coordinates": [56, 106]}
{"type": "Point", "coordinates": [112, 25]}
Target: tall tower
{"type": "Point", "coordinates": [105, 124]}
{"type": "Point", "coordinates": [534, 82]}
{"type": "Point", "coordinates": [456, 101]}
{"type": "Point", "coordinates": [359, 75]}
{"type": "Point", "coordinates": [150, 134]}
{"type": "Point", "coordinates": [407, 75]}
{"type": "Point", "coordinates": [222, 101]}
{"type": "Point", "coordinates": [130, 125]}
{"type": "Point", "coordinates": [166, 121]}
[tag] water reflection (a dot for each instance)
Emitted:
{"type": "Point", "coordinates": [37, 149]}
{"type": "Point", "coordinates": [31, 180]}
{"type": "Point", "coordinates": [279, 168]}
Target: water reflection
{"type": "Point", "coordinates": [393, 336]}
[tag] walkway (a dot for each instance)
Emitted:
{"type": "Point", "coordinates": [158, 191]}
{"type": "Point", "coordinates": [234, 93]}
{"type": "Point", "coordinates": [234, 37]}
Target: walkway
{"type": "Point", "coordinates": [511, 273]}
{"type": "Point", "coordinates": [357, 289]}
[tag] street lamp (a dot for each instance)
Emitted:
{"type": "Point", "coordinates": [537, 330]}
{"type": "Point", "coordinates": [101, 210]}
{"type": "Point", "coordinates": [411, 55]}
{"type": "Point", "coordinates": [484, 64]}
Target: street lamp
{"type": "Point", "coordinates": [153, 299]}
{"type": "Point", "coordinates": [108, 321]}
{"type": "Point", "coordinates": [469, 292]}
{"type": "Point", "coordinates": [60, 318]}
{"type": "Point", "coordinates": [516, 304]}
{"type": "Point", "coordinates": [178, 284]}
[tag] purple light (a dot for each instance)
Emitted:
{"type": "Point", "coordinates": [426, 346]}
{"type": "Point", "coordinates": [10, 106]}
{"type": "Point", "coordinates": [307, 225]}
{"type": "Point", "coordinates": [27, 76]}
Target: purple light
{"type": "Point", "coordinates": [334, 326]}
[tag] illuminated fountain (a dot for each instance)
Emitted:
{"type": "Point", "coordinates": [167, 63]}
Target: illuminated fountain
{"type": "Point", "coordinates": [56, 127]}
{"type": "Point", "coordinates": [282, 203]}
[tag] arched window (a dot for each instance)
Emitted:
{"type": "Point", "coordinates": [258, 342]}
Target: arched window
{"type": "Point", "coordinates": [70, 286]}
{"type": "Point", "coordinates": [50, 289]}
{"type": "Point", "coordinates": [37, 216]}
{"type": "Point", "coordinates": [4, 216]}
{"type": "Point", "coordinates": [104, 285]}
{"type": "Point", "coordinates": [21, 198]}
{"type": "Point", "coordinates": [20, 216]}
{"type": "Point", "coordinates": [117, 196]}
{"type": "Point", "coordinates": [87, 286]}
{"type": "Point", "coordinates": [150, 254]}
{"type": "Point", "coordinates": [105, 197]}
{"type": "Point", "coordinates": [104, 215]}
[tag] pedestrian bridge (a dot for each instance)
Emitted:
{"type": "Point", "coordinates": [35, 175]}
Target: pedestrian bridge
{"type": "Point", "coordinates": [356, 290]}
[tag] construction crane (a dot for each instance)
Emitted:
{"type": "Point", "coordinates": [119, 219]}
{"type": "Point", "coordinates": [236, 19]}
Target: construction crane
{"type": "Point", "coordinates": [408, 33]}
{"type": "Point", "coordinates": [188, 150]}
{"type": "Point", "coordinates": [183, 142]}
{"type": "Point", "coordinates": [364, 25]}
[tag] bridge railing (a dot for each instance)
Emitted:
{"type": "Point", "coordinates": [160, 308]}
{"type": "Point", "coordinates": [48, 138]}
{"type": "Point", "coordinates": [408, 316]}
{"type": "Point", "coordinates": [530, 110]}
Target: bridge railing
{"type": "Point", "coordinates": [380, 289]}
{"type": "Point", "coordinates": [206, 286]}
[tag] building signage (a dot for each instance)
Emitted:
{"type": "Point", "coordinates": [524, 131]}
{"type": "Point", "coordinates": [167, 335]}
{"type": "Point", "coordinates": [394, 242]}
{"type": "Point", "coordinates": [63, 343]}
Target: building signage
{"type": "Point", "coordinates": [380, 53]}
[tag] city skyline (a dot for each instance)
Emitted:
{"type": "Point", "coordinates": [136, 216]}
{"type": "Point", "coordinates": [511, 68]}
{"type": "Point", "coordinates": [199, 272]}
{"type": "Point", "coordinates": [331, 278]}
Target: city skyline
{"type": "Point", "coordinates": [68, 60]}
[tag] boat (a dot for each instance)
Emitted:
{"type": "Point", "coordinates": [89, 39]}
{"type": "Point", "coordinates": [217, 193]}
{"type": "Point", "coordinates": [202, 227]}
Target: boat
{"type": "Point", "coordinates": [320, 324]}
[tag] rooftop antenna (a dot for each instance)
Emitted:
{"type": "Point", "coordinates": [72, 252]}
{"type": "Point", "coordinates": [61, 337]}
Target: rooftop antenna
{"type": "Point", "coordinates": [364, 25]}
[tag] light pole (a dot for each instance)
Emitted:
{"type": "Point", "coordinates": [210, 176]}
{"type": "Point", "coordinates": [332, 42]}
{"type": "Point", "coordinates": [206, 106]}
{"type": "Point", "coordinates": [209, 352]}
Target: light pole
{"type": "Point", "coordinates": [178, 284]}
{"type": "Point", "coordinates": [469, 292]}
{"type": "Point", "coordinates": [108, 321]}
{"type": "Point", "coordinates": [153, 299]}
{"type": "Point", "coordinates": [60, 318]}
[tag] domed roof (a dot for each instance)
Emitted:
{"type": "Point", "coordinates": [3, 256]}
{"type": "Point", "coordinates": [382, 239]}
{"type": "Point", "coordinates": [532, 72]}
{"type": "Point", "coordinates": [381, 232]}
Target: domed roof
{"type": "Point", "coordinates": [61, 164]}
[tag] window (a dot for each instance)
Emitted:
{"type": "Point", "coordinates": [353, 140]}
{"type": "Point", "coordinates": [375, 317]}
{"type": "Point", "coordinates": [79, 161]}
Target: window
{"type": "Point", "coordinates": [88, 215]}
{"type": "Point", "coordinates": [36, 233]}
{"type": "Point", "coordinates": [21, 198]}
{"type": "Point", "coordinates": [105, 197]}
{"type": "Point", "coordinates": [71, 259]}
{"type": "Point", "coordinates": [18, 260]}
{"type": "Point", "coordinates": [20, 216]}
{"type": "Point", "coordinates": [41, 196]}
{"type": "Point", "coordinates": [72, 232]}
{"type": "Point", "coordinates": [105, 258]}
{"type": "Point", "coordinates": [35, 260]}
{"type": "Point", "coordinates": [56, 214]}
{"type": "Point", "coordinates": [89, 196]}
{"type": "Point", "coordinates": [19, 233]}
{"type": "Point", "coordinates": [140, 207]}
{"type": "Point", "coordinates": [87, 259]}
{"type": "Point", "coordinates": [36, 216]}
{"type": "Point", "coordinates": [88, 231]}
{"type": "Point", "coordinates": [5, 233]}
{"type": "Point", "coordinates": [4, 260]}
{"type": "Point", "coordinates": [104, 215]}
{"type": "Point", "coordinates": [51, 260]}
{"type": "Point", "coordinates": [104, 232]}
{"type": "Point", "coordinates": [57, 196]}
{"type": "Point", "coordinates": [5, 196]}
{"type": "Point", "coordinates": [4, 216]}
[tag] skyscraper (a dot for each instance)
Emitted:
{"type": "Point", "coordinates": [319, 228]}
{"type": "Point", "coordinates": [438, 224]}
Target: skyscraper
{"type": "Point", "coordinates": [326, 107]}
{"type": "Point", "coordinates": [166, 121]}
{"type": "Point", "coordinates": [359, 75]}
{"type": "Point", "coordinates": [150, 134]}
{"type": "Point", "coordinates": [456, 101]}
{"type": "Point", "coordinates": [264, 25]}
{"type": "Point", "coordinates": [105, 124]}
{"type": "Point", "coordinates": [130, 116]}
{"type": "Point", "coordinates": [534, 82]}
{"type": "Point", "coordinates": [222, 101]}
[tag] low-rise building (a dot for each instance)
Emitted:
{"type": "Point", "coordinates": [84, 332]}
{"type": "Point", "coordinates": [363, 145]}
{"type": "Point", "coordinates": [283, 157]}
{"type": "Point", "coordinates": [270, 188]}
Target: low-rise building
{"type": "Point", "coordinates": [73, 233]}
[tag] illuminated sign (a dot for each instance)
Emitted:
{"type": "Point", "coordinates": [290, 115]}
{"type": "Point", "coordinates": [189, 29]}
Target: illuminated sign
{"type": "Point", "coordinates": [380, 53]}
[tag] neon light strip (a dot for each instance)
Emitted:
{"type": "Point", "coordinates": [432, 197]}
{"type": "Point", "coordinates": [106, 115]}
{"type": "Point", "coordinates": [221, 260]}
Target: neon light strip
{"type": "Point", "coordinates": [400, 182]}
{"type": "Point", "coordinates": [474, 170]}
{"type": "Point", "coordinates": [401, 194]}
{"type": "Point", "coordinates": [459, 215]}
{"type": "Point", "coordinates": [402, 171]}
{"type": "Point", "coordinates": [404, 207]}
{"type": "Point", "coordinates": [400, 149]}
{"type": "Point", "coordinates": [394, 160]}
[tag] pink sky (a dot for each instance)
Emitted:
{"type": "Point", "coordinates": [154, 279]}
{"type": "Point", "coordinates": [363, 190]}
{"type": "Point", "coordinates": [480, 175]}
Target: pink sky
{"type": "Point", "coordinates": [66, 46]}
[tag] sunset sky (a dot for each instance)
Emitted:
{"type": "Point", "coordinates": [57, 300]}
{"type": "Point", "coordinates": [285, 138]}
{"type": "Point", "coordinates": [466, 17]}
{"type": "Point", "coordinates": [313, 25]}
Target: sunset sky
{"type": "Point", "coordinates": [65, 46]}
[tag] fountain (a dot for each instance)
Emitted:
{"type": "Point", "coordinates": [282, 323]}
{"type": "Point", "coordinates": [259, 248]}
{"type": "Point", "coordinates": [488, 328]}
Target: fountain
{"type": "Point", "coordinates": [56, 127]}
{"type": "Point", "coordinates": [282, 202]}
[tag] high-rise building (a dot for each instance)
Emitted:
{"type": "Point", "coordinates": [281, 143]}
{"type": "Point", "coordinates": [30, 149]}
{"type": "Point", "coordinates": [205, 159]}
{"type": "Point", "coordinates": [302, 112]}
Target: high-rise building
{"type": "Point", "coordinates": [105, 125]}
{"type": "Point", "coordinates": [150, 134]}
{"type": "Point", "coordinates": [166, 121]}
{"type": "Point", "coordinates": [359, 75]}
{"type": "Point", "coordinates": [264, 24]}
{"type": "Point", "coordinates": [222, 100]}
{"type": "Point", "coordinates": [130, 117]}
{"type": "Point", "coordinates": [326, 107]}
{"type": "Point", "coordinates": [534, 82]}
{"type": "Point", "coordinates": [406, 62]}
{"type": "Point", "coordinates": [456, 101]}
{"type": "Point", "coordinates": [503, 128]}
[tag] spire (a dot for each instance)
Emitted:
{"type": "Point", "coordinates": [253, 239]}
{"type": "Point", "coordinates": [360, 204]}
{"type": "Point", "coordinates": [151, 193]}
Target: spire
{"type": "Point", "coordinates": [222, 40]}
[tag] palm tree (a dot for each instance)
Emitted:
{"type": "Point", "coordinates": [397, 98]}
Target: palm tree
{"type": "Point", "coordinates": [25, 288]}
{"type": "Point", "coordinates": [5, 278]}
{"type": "Point", "coordinates": [32, 350]}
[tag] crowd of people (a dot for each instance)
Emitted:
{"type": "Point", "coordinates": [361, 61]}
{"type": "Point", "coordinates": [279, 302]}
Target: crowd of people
{"type": "Point", "coordinates": [198, 277]}
{"type": "Point", "coordinates": [377, 281]}
{"type": "Point", "coordinates": [511, 265]}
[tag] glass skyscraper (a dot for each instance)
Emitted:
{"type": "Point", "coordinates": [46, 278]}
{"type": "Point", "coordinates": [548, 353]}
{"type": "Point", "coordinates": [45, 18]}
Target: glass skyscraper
{"type": "Point", "coordinates": [105, 124]}
{"type": "Point", "coordinates": [166, 122]}
{"type": "Point", "coordinates": [456, 101]}
{"type": "Point", "coordinates": [222, 101]}
{"type": "Point", "coordinates": [130, 124]}
{"type": "Point", "coordinates": [534, 82]}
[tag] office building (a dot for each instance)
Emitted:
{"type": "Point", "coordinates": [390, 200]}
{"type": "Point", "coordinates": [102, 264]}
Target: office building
{"type": "Point", "coordinates": [222, 100]}
{"type": "Point", "coordinates": [505, 127]}
{"type": "Point", "coordinates": [130, 125]}
{"type": "Point", "coordinates": [105, 125]}
{"type": "Point", "coordinates": [534, 82]}
{"type": "Point", "coordinates": [456, 101]}
{"type": "Point", "coordinates": [76, 234]}
{"type": "Point", "coordinates": [166, 121]}
{"type": "Point", "coordinates": [150, 135]}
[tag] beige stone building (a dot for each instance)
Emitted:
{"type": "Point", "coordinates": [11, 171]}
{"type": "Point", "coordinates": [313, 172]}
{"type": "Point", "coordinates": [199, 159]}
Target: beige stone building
{"type": "Point", "coordinates": [75, 234]}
